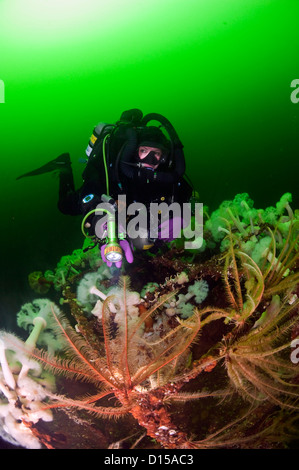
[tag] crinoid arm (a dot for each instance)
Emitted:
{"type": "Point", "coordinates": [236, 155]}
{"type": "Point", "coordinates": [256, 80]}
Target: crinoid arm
{"type": "Point", "coordinates": [86, 404]}
{"type": "Point", "coordinates": [78, 360]}
{"type": "Point", "coordinates": [256, 363]}
{"type": "Point", "coordinates": [173, 345]}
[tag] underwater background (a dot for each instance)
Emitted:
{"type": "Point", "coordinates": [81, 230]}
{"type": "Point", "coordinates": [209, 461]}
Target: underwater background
{"type": "Point", "coordinates": [220, 71]}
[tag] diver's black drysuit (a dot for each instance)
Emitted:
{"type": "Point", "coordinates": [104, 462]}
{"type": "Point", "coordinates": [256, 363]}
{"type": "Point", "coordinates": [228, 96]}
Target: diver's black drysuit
{"type": "Point", "coordinates": [165, 184]}
{"type": "Point", "coordinates": [114, 168]}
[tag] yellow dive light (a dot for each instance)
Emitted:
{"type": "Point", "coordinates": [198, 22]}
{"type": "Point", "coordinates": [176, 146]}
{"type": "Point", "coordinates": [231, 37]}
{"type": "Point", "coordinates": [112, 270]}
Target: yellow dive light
{"type": "Point", "coordinates": [113, 252]}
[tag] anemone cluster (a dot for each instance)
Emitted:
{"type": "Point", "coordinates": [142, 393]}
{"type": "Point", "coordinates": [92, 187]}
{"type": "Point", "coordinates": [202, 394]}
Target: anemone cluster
{"type": "Point", "coordinates": [24, 384]}
{"type": "Point", "coordinates": [224, 315]}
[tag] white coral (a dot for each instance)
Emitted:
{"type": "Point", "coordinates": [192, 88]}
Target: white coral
{"type": "Point", "coordinates": [21, 399]}
{"type": "Point", "coordinates": [180, 305]}
{"type": "Point", "coordinates": [84, 296]}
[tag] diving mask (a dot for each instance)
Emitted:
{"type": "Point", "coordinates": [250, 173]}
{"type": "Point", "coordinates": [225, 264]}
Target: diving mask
{"type": "Point", "coordinates": [149, 156]}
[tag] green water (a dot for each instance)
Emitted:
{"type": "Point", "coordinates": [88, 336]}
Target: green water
{"type": "Point", "coordinates": [219, 70]}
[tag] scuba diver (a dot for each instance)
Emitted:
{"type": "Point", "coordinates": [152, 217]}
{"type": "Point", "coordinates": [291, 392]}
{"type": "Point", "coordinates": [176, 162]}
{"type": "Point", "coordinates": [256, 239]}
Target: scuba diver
{"type": "Point", "coordinates": [128, 158]}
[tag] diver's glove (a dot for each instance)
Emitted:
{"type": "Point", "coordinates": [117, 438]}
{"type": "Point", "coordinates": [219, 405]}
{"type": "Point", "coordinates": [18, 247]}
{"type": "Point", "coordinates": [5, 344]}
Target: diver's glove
{"type": "Point", "coordinates": [125, 245]}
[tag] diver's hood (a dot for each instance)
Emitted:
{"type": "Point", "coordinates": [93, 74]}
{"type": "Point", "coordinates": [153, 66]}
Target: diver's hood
{"type": "Point", "coordinates": [152, 137]}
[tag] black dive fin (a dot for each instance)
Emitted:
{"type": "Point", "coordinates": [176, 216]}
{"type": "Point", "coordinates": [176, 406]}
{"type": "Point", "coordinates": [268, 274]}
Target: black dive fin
{"type": "Point", "coordinates": [63, 161]}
